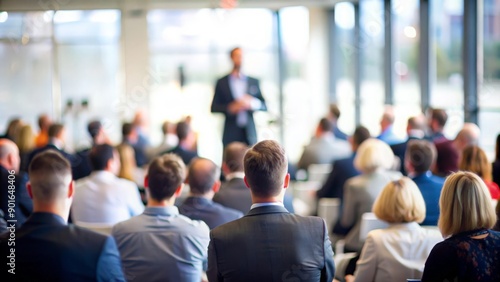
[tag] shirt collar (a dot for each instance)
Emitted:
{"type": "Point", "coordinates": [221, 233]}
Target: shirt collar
{"type": "Point", "coordinates": [258, 205]}
{"type": "Point", "coordinates": [238, 77]}
{"type": "Point", "coordinates": [102, 174]}
{"type": "Point", "coordinates": [237, 174]}
{"type": "Point", "coordinates": [167, 211]}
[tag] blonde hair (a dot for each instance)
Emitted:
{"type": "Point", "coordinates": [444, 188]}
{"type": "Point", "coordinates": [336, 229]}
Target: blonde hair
{"type": "Point", "coordinates": [474, 160]}
{"type": "Point", "coordinates": [127, 161]}
{"type": "Point", "coordinates": [400, 201]}
{"type": "Point", "coordinates": [373, 154]}
{"type": "Point", "coordinates": [465, 204]}
{"type": "Point", "coordinates": [26, 139]}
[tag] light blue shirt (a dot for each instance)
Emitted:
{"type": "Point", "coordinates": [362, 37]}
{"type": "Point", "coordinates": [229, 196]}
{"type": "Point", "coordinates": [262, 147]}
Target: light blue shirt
{"type": "Point", "coordinates": [389, 137]}
{"type": "Point", "coordinates": [162, 245]}
{"type": "Point", "coordinates": [239, 85]}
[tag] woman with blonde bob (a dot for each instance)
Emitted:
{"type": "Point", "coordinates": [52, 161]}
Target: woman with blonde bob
{"type": "Point", "coordinates": [374, 159]}
{"type": "Point", "coordinates": [399, 251]}
{"type": "Point", "coordinates": [471, 251]}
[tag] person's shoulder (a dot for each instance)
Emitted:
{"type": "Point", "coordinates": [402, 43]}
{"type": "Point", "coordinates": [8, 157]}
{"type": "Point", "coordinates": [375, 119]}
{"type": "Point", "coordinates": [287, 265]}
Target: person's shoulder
{"type": "Point", "coordinates": [437, 179]}
{"type": "Point", "coordinates": [125, 183]}
{"type": "Point", "coordinates": [226, 211]}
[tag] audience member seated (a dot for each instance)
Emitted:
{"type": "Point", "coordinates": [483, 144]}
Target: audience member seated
{"type": "Point", "coordinates": [234, 193]}
{"type": "Point", "coordinates": [333, 116]}
{"type": "Point", "coordinates": [102, 197]}
{"type": "Point", "coordinates": [140, 125]}
{"type": "Point", "coordinates": [474, 160]}
{"type": "Point", "coordinates": [47, 248]}
{"type": "Point", "coordinates": [386, 124]}
{"type": "Point", "coordinates": [26, 144]}
{"type": "Point", "coordinates": [497, 225]}
{"type": "Point", "coordinates": [187, 139]}
{"type": "Point", "coordinates": [448, 152]}
{"type": "Point", "coordinates": [83, 167]}
{"type": "Point", "coordinates": [170, 140]}
{"type": "Point", "coordinates": [13, 184]}
{"type": "Point", "coordinates": [342, 170]}
{"type": "Point", "coordinates": [203, 180]}
{"type": "Point", "coordinates": [437, 122]}
{"type": "Point", "coordinates": [374, 158]}
{"type": "Point", "coordinates": [13, 128]}
{"type": "Point", "coordinates": [42, 138]}
{"type": "Point", "coordinates": [416, 131]}
{"type": "Point", "coordinates": [323, 148]}
{"type": "Point", "coordinates": [471, 251]}
{"type": "Point", "coordinates": [420, 157]}
{"type": "Point", "coordinates": [269, 244]}
{"type": "Point", "coordinates": [399, 251]}
{"type": "Point", "coordinates": [56, 142]}
{"type": "Point", "coordinates": [128, 167]}
{"type": "Point", "coordinates": [130, 138]}
{"type": "Point", "coordinates": [496, 163]}
{"type": "Point", "coordinates": [160, 244]}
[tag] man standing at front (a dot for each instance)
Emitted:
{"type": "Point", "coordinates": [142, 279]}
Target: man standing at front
{"type": "Point", "coordinates": [269, 244]}
{"type": "Point", "coordinates": [237, 96]}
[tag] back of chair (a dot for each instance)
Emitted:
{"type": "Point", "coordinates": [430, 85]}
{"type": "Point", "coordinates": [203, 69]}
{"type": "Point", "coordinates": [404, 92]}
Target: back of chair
{"type": "Point", "coordinates": [328, 209]}
{"type": "Point", "coordinates": [318, 172]}
{"type": "Point", "coordinates": [370, 222]}
{"type": "Point", "coordinates": [102, 228]}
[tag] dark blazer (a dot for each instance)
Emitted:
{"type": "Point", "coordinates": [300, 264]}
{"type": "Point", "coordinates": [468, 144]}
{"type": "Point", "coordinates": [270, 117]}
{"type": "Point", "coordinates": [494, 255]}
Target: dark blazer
{"type": "Point", "coordinates": [430, 186]}
{"type": "Point", "coordinates": [496, 172]}
{"type": "Point", "coordinates": [185, 155]}
{"type": "Point", "coordinates": [46, 249]}
{"type": "Point", "coordinates": [213, 214]}
{"type": "Point", "coordinates": [82, 167]}
{"type": "Point", "coordinates": [236, 195]}
{"type": "Point", "coordinates": [49, 146]}
{"type": "Point", "coordinates": [23, 203]}
{"type": "Point", "coordinates": [222, 97]}
{"type": "Point", "coordinates": [334, 185]}
{"type": "Point", "coordinates": [270, 244]}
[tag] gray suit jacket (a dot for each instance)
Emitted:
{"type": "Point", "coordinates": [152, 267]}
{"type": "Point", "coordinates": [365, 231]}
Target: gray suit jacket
{"type": "Point", "coordinates": [324, 150]}
{"type": "Point", "coordinates": [359, 194]}
{"type": "Point", "coordinates": [272, 245]}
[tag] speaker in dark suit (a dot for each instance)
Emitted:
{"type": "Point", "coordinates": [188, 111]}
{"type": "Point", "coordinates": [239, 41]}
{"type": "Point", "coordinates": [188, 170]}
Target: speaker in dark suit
{"type": "Point", "coordinates": [46, 248]}
{"type": "Point", "coordinates": [237, 96]}
{"type": "Point", "coordinates": [269, 243]}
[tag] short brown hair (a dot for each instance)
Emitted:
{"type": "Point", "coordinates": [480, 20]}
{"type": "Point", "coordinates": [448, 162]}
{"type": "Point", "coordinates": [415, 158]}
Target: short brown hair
{"type": "Point", "coordinates": [202, 175]}
{"type": "Point", "coordinates": [465, 204]}
{"type": "Point", "coordinates": [265, 167]}
{"type": "Point", "coordinates": [55, 130]}
{"type": "Point", "coordinates": [182, 129]}
{"type": "Point", "coordinates": [360, 135]}
{"type": "Point", "coordinates": [165, 174]}
{"type": "Point", "coordinates": [474, 160]}
{"type": "Point", "coordinates": [234, 153]}
{"type": "Point", "coordinates": [400, 201]}
{"type": "Point", "coordinates": [440, 116]}
{"type": "Point", "coordinates": [421, 155]}
{"type": "Point", "coordinates": [50, 175]}
{"type": "Point", "coordinates": [325, 125]}
{"type": "Point", "coordinates": [334, 110]}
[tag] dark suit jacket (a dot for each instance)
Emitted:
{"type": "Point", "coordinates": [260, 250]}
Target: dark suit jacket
{"type": "Point", "coordinates": [82, 167]}
{"type": "Point", "coordinates": [46, 249]}
{"type": "Point", "coordinates": [23, 203]}
{"type": "Point", "coordinates": [270, 244]}
{"type": "Point", "coordinates": [334, 186]}
{"type": "Point", "coordinates": [68, 156]}
{"type": "Point", "coordinates": [236, 195]}
{"type": "Point", "coordinates": [430, 186]}
{"type": "Point", "coordinates": [447, 158]}
{"type": "Point", "coordinates": [496, 172]}
{"type": "Point", "coordinates": [222, 97]}
{"type": "Point", "coordinates": [213, 214]}
{"type": "Point", "coordinates": [185, 155]}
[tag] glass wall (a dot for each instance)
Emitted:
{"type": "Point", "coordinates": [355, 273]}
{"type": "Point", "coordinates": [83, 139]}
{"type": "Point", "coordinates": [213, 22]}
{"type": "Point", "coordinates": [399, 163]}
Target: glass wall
{"type": "Point", "coordinates": [447, 91]}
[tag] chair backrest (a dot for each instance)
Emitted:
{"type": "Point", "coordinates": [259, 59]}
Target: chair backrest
{"type": "Point", "coordinates": [103, 228]}
{"type": "Point", "coordinates": [328, 209]}
{"type": "Point", "coordinates": [318, 172]}
{"type": "Point", "coordinates": [305, 193]}
{"type": "Point", "coordinates": [370, 222]}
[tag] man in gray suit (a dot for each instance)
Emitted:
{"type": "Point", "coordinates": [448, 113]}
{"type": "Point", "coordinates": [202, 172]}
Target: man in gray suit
{"type": "Point", "coordinates": [269, 243]}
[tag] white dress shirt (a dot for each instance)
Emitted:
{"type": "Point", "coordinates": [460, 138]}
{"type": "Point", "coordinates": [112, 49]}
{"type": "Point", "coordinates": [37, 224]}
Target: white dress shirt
{"type": "Point", "coordinates": [102, 197]}
{"type": "Point", "coordinates": [396, 253]}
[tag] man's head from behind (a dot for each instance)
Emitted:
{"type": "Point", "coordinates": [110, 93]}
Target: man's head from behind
{"type": "Point", "coordinates": [438, 120]}
{"type": "Point", "coordinates": [9, 155]}
{"type": "Point", "coordinates": [56, 131]}
{"type": "Point", "coordinates": [265, 166]}
{"type": "Point", "coordinates": [360, 134]}
{"type": "Point", "coordinates": [96, 131]}
{"type": "Point", "coordinates": [104, 157]}
{"type": "Point", "coordinates": [420, 156]}
{"type": "Point", "coordinates": [165, 177]}
{"type": "Point", "coordinates": [44, 122]}
{"type": "Point", "coordinates": [387, 118]}
{"type": "Point", "coordinates": [232, 160]}
{"type": "Point", "coordinates": [51, 184]}
{"type": "Point", "coordinates": [467, 136]}
{"type": "Point", "coordinates": [324, 126]}
{"type": "Point", "coordinates": [203, 177]}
